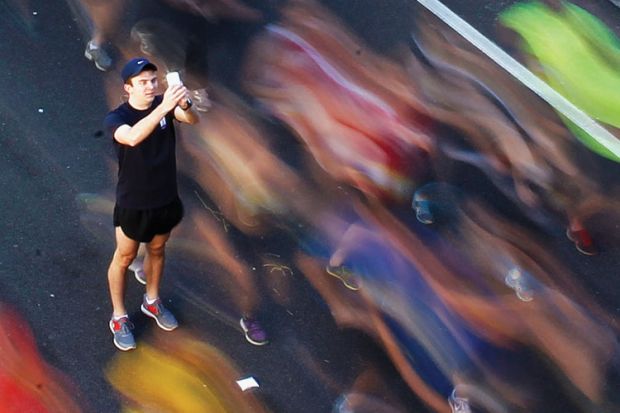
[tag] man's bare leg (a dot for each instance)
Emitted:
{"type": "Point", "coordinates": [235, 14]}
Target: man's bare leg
{"type": "Point", "coordinates": [154, 267]}
{"type": "Point", "coordinates": [105, 16]}
{"type": "Point", "coordinates": [126, 250]}
{"type": "Point", "coordinates": [154, 260]}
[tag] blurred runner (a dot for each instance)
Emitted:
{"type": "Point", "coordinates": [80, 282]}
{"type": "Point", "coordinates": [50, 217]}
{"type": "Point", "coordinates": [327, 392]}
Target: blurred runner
{"type": "Point", "coordinates": [105, 18]}
{"type": "Point", "coordinates": [507, 133]}
{"type": "Point", "coordinates": [355, 110]}
{"type": "Point", "coordinates": [180, 375]}
{"type": "Point", "coordinates": [27, 383]}
{"type": "Point", "coordinates": [103, 22]}
{"type": "Point", "coordinates": [576, 54]}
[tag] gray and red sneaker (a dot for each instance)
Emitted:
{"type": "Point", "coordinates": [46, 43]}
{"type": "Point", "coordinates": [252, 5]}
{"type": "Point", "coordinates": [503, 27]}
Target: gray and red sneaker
{"type": "Point", "coordinates": [164, 318]}
{"type": "Point", "coordinates": [123, 338]}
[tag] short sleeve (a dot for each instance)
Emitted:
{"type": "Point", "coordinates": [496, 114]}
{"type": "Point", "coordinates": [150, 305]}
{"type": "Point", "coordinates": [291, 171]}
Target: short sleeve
{"type": "Point", "coordinates": [111, 122]}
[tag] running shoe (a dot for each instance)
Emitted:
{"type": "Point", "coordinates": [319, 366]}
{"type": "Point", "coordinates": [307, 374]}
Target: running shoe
{"type": "Point", "coordinates": [518, 282]}
{"type": "Point", "coordinates": [164, 318]}
{"type": "Point", "coordinates": [123, 337]}
{"type": "Point", "coordinates": [253, 331]}
{"type": "Point", "coordinates": [423, 211]}
{"type": "Point", "coordinates": [583, 241]}
{"type": "Point", "coordinates": [458, 404]}
{"type": "Point", "coordinates": [98, 56]}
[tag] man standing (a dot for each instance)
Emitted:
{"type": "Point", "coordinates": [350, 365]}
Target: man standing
{"type": "Point", "coordinates": [147, 203]}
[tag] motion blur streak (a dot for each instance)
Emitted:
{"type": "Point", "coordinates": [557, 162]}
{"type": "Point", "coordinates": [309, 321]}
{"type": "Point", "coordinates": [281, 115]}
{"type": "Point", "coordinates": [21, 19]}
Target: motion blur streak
{"type": "Point", "coordinates": [601, 137]}
{"type": "Point", "coordinates": [577, 55]}
{"type": "Point", "coordinates": [216, 9]}
{"type": "Point", "coordinates": [179, 375]}
{"type": "Point", "coordinates": [27, 382]}
{"type": "Point", "coordinates": [512, 137]}
{"type": "Point", "coordinates": [232, 161]}
{"type": "Point", "coordinates": [324, 83]}
{"type": "Point", "coordinates": [456, 314]}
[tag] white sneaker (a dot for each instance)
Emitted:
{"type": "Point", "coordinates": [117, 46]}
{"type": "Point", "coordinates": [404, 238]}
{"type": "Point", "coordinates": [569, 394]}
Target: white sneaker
{"type": "Point", "coordinates": [137, 267]}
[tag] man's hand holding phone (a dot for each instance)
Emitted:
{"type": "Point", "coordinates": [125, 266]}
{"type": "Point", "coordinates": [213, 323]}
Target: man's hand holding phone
{"type": "Point", "coordinates": [175, 94]}
{"type": "Point", "coordinates": [173, 78]}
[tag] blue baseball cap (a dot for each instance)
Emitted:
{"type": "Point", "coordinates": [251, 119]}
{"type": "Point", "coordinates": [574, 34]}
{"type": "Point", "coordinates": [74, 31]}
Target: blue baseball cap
{"type": "Point", "coordinates": [136, 66]}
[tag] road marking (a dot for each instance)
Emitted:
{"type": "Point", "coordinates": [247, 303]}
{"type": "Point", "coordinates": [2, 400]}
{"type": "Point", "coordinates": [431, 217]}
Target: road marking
{"type": "Point", "coordinates": [524, 75]}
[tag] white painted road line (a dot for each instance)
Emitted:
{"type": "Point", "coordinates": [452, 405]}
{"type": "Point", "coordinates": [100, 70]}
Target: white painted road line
{"type": "Point", "coordinates": [524, 75]}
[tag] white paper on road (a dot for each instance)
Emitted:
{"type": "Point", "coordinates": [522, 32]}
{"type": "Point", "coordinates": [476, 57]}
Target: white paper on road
{"type": "Point", "coordinates": [247, 383]}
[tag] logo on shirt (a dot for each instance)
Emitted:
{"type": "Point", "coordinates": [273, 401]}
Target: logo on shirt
{"type": "Point", "coordinates": [162, 123]}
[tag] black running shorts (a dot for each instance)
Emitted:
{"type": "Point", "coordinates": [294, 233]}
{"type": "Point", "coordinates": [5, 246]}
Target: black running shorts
{"type": "Point", "coordinates": [143, 224]}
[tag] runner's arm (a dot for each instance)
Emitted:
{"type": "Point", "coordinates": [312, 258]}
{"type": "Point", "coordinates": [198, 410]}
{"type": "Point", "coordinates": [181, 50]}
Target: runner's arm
{"type": "Point", "coordinates": [187, 115]}
{"type": "Point", "coordinates": [133, 135]}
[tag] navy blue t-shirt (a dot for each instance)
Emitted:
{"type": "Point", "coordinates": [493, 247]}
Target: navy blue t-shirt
{"type": "Point", "coordinates": [146, 172]}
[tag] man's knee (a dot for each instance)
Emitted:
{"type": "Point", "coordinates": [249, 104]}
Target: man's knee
{"type": "Point", "coordinates": [156, 249]}
{"type": "Point", "coordinates": [157, 246]}
{"type": "Point", "coordinates": [124, 259]}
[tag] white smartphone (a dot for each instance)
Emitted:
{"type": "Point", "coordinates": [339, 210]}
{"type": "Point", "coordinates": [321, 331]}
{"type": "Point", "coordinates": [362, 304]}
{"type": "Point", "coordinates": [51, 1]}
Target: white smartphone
{"type": "Point", "coordinates": [173, 78]}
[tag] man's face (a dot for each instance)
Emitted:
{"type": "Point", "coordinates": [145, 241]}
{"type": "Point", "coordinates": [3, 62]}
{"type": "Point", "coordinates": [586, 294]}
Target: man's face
{"type": "Point", "coordinates": [142, 88]}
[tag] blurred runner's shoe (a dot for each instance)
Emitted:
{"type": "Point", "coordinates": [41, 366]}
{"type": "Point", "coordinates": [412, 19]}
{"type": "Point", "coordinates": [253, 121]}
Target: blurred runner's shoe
{"type": "Point", "coordinates": [582, 241]}
{"type": "Point", "coordinates": [98, 56]}
{"type": "Point", "coordinates": [458, 404]}
{"type": "Point", "coordinates": [515, 280]}
{"type": "Point", "coordinates": [253, 331]}
{"type": "Point", "coordinates": [138, 271]}
{"type": "Point", "coordinates": [421, 205]}
{"type": "Point", "coordinates": [201, 100]}
{"type": "Point", "coordinates": [343, 274]}
{"type": "Point", "coordinates": [123, 338]}
{"type": "Point", "coordinates": [423, 212]}
{"type": "Point", "coordinates": [164, 318]}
